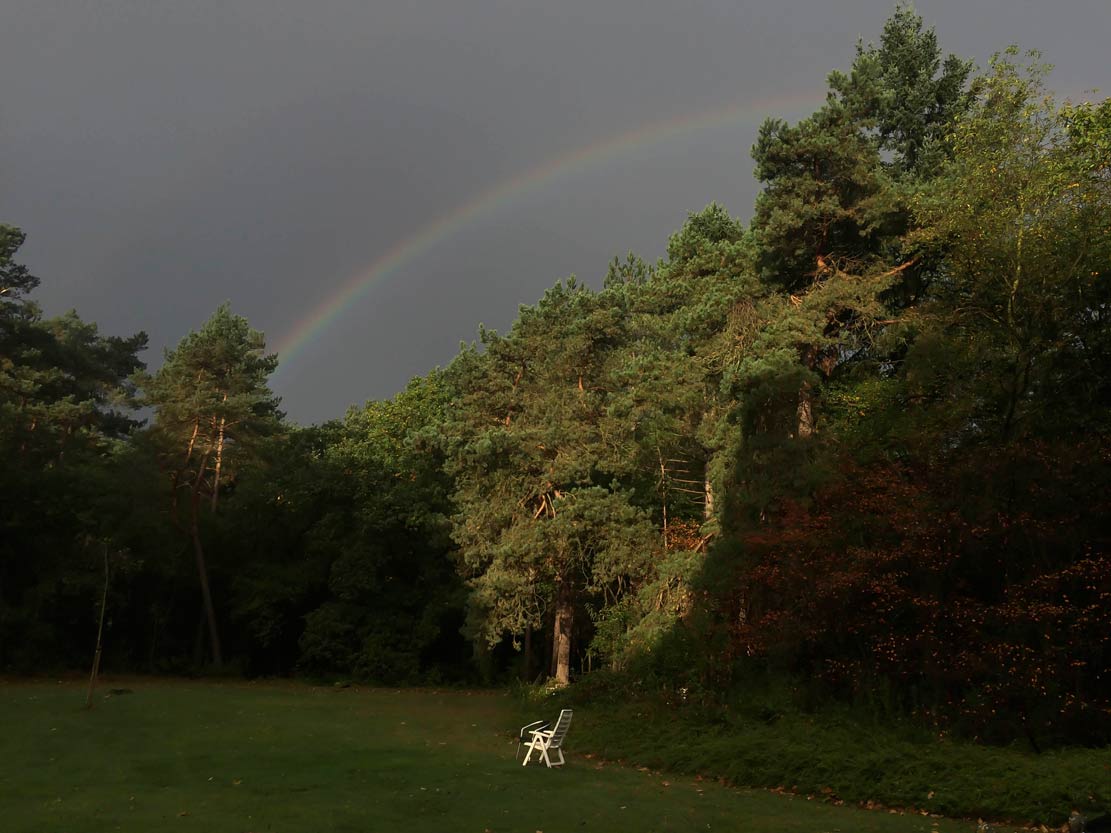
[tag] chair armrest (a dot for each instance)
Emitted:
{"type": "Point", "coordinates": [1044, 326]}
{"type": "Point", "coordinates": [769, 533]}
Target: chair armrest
{"type": "Point", "coordinates": [532, 727]}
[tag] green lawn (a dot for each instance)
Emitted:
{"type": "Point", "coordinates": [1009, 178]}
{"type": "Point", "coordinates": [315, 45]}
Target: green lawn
{"type": "Point", "coordinates": [201, 756]}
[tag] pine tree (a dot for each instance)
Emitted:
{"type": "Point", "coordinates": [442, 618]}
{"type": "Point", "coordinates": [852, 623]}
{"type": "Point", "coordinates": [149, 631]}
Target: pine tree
{"type": "Point", "coordinates": [211, 401]}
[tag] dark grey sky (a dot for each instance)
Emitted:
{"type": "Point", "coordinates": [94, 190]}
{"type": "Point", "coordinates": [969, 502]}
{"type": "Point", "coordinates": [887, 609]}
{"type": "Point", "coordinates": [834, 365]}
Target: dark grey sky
{"type": "Point", "coordinates": [165, 156]}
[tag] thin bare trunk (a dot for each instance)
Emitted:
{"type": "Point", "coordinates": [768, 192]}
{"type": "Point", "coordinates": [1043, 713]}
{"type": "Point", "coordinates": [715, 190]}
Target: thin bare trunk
{"type": "Point", "coordinates": [708, 504]}
{"type": "Point", "coordinates": [1016, 392]}
{"type": "Point", "coordinates": [202, 573]}
{"type": "Point", "coordinates": [192, 440]}
{"type": "Point", "coordinates": [663, 491]}
{"type": "Point", "coordinates": [99, 635]}
{"type": "Point", "coordinates": [1016, 283]}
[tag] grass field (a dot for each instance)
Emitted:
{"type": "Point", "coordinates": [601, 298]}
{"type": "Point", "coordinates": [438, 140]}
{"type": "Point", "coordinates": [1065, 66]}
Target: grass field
{"type": "Point", "coordinates": [202, 756]}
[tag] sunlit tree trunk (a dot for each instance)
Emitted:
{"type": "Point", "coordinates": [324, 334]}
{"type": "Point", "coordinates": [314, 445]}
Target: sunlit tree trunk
{"type": "Point", "coordinates": [219, 461]}
{"type": "Point", "coordinates": [805, 411]}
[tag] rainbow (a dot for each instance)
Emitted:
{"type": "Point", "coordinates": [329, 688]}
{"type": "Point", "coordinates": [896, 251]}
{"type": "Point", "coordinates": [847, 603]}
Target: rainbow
{"type": "Point", "coordinates": [319, 319]}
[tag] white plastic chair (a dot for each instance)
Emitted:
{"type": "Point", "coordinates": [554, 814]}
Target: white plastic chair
{"type": "Point", "coordinates": [525, 735]}
{"type": "Point", "coordinates": [549, 740]}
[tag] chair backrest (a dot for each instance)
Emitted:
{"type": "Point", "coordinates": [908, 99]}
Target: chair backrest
{"type": "Point", "coordinates": [560, 730]}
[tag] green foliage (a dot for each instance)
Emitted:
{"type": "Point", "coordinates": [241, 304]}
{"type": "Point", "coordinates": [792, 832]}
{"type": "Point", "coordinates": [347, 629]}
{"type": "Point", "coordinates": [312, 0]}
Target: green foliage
{"type": "Point", "coordinates": [861, 441]}
{"type": "Point", "coordinates": [1024, 295]}
{"type": "Point", "coordinates": [827, 199]}
{"type": "Point", "coordinates": [904, 94]}
{"type": "Point", "coordinates": [16, 279]}
{"type": "Point", "coordinates": [212, 406]}
{"type": "Point", "coordinates": [926, 543]}
{"type": "Point", "coordinates": [763, 740]}
{"type": "Point", "coordinates": [709, 228]}
{"type": "Point", "coordinates": [633, 270]}
{"type": "Point", "coordinates": [393, 606]}
{"type": "Point", "coordinates": [211, 397]}
{"type": "Point", "coordinates": [64, 410]}
{"type": "Point", "coordinates": [538, 455]}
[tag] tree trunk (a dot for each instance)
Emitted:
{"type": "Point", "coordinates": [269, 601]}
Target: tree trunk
{"type": "Point", "coordinates": [564, 619]}
{"type": "Point", "coordinates": [708, 491]}
{"type": "Point", "coordinates": [99, 635]}
{"type": "Point", "coordinates": [206, 594]}
{"type": "Point", "coordinates": [552, 652]}
{"type": "Point", "coordinates": [219, 460]}
{"type": "Point", "coordinates": [805, 411]}
{"type": "Point", "coordinates": [663, 491]}
{"type": "Point", "coordinates": [192, 440]}
{"type": "Point", "coordinates": [219, 463]}
{"type": "Point", "coordinates": [528, 654]}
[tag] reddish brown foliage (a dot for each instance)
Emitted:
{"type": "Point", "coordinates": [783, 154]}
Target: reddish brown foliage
{"type": "Point", "coordinates": [972, 594]}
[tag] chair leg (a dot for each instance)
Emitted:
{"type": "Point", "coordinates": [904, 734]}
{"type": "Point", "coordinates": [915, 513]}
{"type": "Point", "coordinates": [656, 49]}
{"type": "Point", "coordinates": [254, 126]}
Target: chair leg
{"type": "Point", "coordinates": [532, 746]}
{"type": "Point", "coordinates": [559, 752]}
{"type": "Point", "coordinates": [547, 760]}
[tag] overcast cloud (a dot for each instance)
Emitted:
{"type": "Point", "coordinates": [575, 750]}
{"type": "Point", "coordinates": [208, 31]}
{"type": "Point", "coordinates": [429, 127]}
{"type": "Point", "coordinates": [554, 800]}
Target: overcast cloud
{"type": "Point", "coordinates": [166, 156]}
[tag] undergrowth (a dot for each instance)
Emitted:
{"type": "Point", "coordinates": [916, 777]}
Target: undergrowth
{"type": "Point", "coordinates": [757, 741]}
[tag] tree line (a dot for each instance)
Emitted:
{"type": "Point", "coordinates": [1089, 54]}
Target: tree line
{"type": "Point", "coordinates": [858, 444]}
